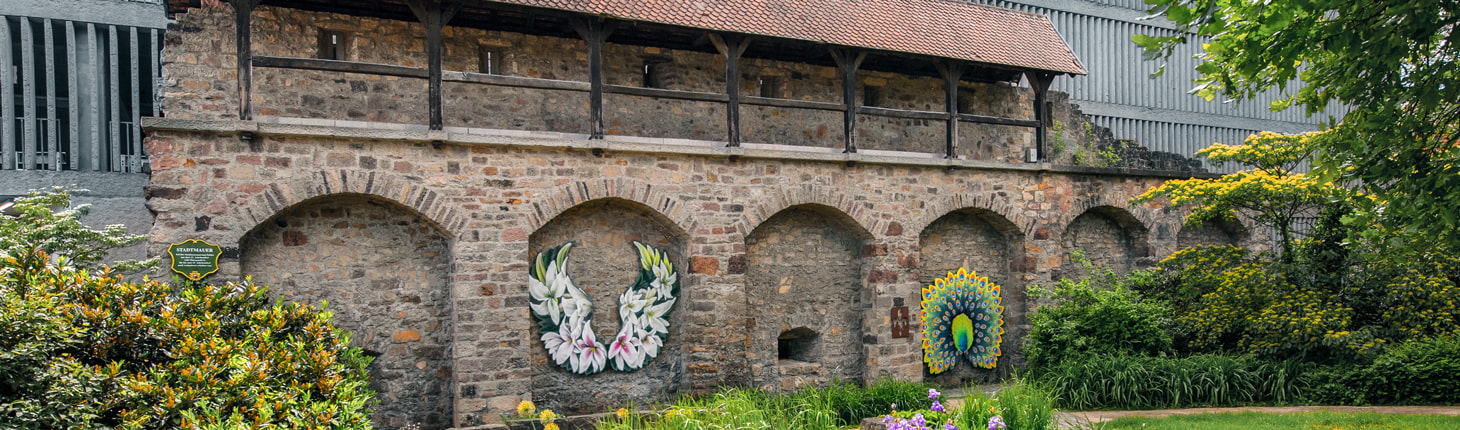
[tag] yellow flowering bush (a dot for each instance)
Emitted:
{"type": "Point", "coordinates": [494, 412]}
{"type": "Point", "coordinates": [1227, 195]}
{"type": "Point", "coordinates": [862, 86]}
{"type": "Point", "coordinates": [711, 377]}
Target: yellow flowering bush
{"type": "Point", "coordinates": [1422, 304]}
{"type": "Point", "coordinates": [1270, 191]}
{"type": "Point", "coordinates": [80, 349]}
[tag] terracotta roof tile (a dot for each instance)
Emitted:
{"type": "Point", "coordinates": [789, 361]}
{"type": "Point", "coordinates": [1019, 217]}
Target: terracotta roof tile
{"type": "Point", "coordinates": [942, 28]}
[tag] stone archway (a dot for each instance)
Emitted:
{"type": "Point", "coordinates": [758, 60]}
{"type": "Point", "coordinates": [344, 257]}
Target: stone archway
{"type": "Point", "coordinates": [1210, 233]}
{"type": "Point", "coordinates": [804, 281]}
{"type": "Point", "coordinates": [603, 263]}
{"type": "Point", "coordinates": [384, 270]}
{"type": "Point", "coordinates": [1109, 237]}
{"type": "Point", "coordinates": [987, 243]}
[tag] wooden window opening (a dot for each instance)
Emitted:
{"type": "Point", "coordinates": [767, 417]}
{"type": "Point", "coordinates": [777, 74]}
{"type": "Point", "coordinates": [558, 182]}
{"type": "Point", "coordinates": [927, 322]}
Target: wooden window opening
{"type": "Point", "coordinates": [333, 45]}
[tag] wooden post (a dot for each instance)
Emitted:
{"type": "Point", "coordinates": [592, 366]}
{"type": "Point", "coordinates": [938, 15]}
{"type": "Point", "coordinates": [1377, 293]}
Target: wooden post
{"type": "Point", "coordinates": [434, 14]}
{"type": "Point", "coordinates": [952, 72]}
{"type": "Point", "coordinates": [243, 21]}
{"type": "Point", "coordinates": [732, 47]}
{"type": "Point", "coordinates": [848, 60]}
{"type": "Point", "coordinates": [1040, 82]}
{"type": "Point", "coordinates": [594, 32]}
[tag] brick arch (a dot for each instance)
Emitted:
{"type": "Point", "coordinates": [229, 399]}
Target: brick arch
{"type": "Point", "coordinates": [993, 203]}
{"type": "Point", "coordinates": [653, 198]}
{"type": "Point", "coordinates": [275, 198]}
{"type": "Point", "coordinates": [832, 202]}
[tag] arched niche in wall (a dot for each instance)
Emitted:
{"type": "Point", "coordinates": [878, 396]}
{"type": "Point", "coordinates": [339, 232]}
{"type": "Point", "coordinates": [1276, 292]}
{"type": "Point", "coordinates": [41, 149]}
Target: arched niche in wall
{"type": "Point", "coordinates": [989, 244]}
{"type": "Point", "coordinates": [1110, 237]}
{"type": "Point", "coordinates": [385, 271]}
{"type": "Point", "coordinates": [1211, 233]}
{"type": "Point", "coordinates": [804, 290]}
{"type": "Point", "coordinates": [603, 263]}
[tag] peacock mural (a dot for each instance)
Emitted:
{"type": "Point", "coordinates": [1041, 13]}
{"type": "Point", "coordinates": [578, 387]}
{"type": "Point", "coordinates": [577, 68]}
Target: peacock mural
{"type": "Point", "coordinates": [963, 316]}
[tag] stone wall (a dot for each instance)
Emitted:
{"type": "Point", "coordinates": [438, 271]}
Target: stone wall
{"type": "Point", "coordinates": [383, 271]}
{"type": "Point", "coordinates": [490, 194]}
{"type": "Point", "coordinates": [858, 233]}
{"type": "Point", "coordinates": [1110, 238]}
{"type": "Point", "coordinates": [1211, 233]}
{"type": "Point", "coordinates": [603, 263]}
{"type": "Point", "coordinates": [804, 285]}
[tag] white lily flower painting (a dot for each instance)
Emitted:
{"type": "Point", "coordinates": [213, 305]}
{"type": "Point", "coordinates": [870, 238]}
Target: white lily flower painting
{"type": "Point", "coordinates": [564, 313]}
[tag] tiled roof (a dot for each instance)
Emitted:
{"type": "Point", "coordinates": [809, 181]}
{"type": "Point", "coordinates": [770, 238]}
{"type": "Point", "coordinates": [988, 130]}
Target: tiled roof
{"type": "Point", "coordinates": [942, 28]}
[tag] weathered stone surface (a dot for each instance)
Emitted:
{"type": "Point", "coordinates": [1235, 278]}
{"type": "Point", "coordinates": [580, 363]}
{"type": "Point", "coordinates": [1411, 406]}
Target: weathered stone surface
{"type": "Point", "coordinates": [384, 272]}
{"type": "Point", "coordinates": [422, 250]}
{"type": "Point", "coordinates": [804, 273]}
{"type": "Point", "coordinates": [983, 242]}
{"type": "Point", "coordinates": [603, 262]}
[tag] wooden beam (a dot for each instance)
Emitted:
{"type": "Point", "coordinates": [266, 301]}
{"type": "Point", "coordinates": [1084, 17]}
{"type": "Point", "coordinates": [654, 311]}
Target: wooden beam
{"type": "Point", "coordinates": [340, 66]}
{"type": "Point", "coordinates": [902, 113]}
{"type": "Point", "coordinates": [434, 14]}
{"type": "Point", "coordinates": [732, 46]}
{"type": "Point", "coordinates": [791, 103]}
{"type": "Point", "coordinates": [514, 81]}
{"type": "Point", "coordinates": [997, 120]}
{"type": "Point", "coordinates": [1040, 81]}
{"type": "Point", "coordinates": [594, 32]}
{"type": "Point", "coordinates": [243, 23]}
{"type": "Point", "coordinates": [665, 94]}
{"type": "Point", "coordinates": [848, 60]}
{"type": "Point", "coordinates": [952, 72]}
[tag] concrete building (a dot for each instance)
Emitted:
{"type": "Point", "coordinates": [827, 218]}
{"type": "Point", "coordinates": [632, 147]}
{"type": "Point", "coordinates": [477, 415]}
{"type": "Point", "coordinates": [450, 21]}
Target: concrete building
{"type": "Point", "coordinates": [1158, 113]}
{"type": "Point", "coordinates": [77, 77]}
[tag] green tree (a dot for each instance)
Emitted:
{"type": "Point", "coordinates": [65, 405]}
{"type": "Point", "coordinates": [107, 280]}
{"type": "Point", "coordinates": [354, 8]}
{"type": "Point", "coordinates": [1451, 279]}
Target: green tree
{"type": "Point", "coordinates": [1393, 62]}
{"type": "Point", "coordinates": [45, 221]}
{"type": "Point", "coordinates": [1269, 192]}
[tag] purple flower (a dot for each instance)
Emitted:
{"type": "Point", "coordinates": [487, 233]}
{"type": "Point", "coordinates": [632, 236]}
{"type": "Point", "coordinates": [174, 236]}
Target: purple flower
{"type": "Point", "coordinates": [894, 406]}
{"type": "Point", "coordinates": [887, 419]}
{"type": "Point", "coordinates": [949, 425]}
{"type": "Point", "coordinates": [996, 423]}
{"type": "Point", "coordinates": [937, 407]}
{"type": "Point", "coordinates": [918, 420]}
{"type": "Point", "coordinates": [933, 393]}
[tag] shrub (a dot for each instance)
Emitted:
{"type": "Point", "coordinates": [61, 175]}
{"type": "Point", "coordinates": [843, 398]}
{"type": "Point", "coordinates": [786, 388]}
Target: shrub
{"type": "Point", "coordinates": [86, 349]}
{"type": "Point", "coordinates": [1096, 315]}
{"type": "Point", "coordinates": [1415, 372]}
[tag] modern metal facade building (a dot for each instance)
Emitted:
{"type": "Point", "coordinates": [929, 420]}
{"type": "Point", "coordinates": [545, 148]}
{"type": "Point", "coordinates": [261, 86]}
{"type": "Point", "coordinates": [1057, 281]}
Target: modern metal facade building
{"type": "Point", "coordinates": [1119, 93]}
{"type": "Point", "coordinates": [77, 77]}
{"type": "Point", "coordinates": [78, 74]}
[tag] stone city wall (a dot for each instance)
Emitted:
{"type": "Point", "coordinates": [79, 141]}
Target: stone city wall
{"type": "Point", "coordinates": [790, 258]}
{"type": "Point", "coordinates": [844, 242]}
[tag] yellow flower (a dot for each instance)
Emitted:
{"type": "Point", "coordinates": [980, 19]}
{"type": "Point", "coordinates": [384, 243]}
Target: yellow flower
{"type": "Point", "coordinates": [526, 408]}
{"type": "Point", "coordinates": [547, 416]}
{"type": "Point", "coordinates": [550, 426]}
{"type": "Point", "coordinates": [622, 413]}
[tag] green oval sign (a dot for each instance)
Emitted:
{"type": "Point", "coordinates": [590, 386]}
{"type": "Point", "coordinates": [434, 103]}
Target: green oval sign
{"type": "Point", "coordinates": [194, 259]}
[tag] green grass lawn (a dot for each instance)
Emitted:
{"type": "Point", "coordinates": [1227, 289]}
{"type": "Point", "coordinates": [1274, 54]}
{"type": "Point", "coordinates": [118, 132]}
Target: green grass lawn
{"type": "Point", "coordinates": [1312, 420]}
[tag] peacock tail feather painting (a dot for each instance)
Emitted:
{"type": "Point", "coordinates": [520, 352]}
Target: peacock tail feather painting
{"type": "Point", "coordinates": [963, 316]}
